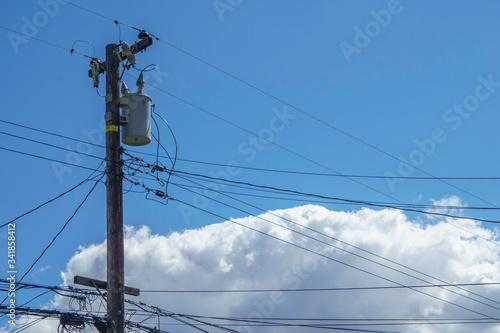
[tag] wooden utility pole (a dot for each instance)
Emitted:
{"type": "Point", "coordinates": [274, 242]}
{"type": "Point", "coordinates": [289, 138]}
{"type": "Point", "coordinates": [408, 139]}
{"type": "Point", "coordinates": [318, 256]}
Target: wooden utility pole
{"type": "Point", "coordinates": [114, 196]}
{"type": "Point", "coordinates": [114, 190]}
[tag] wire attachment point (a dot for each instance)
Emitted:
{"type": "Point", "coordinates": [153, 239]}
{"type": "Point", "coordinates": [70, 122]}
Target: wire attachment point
{"type": "Point", "coordinates": [160, 193]}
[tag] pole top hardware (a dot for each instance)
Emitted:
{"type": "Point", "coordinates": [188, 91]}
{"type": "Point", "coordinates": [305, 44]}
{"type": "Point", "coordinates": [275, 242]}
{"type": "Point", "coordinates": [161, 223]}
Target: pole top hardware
{"type": "Point", "coordinates": [97, 67]}
{"type": "Point", "coordinates": [140, 83]}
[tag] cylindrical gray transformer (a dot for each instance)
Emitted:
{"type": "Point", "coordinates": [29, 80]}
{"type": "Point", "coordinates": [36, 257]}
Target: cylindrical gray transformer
{"type": "Point", "coordinates": [136, 129]}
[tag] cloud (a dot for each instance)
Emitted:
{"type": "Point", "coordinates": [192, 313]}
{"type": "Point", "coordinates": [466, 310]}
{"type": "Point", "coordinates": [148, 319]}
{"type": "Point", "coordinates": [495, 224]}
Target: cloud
{"type": "Point", "coordinates": [228, 256]}
{"type": "Point", "coordinates": [43, 269]}
{"type": "Point", "coordinates": [451, 205]}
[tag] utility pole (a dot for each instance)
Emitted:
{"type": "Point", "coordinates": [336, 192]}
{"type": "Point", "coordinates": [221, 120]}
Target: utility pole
{"type": "Point", "coordinates": [114, 196]}
{"type": "Point", "coordinates": [137, 124]}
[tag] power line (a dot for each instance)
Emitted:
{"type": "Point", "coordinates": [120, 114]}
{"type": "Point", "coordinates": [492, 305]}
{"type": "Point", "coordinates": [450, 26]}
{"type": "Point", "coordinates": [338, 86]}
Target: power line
{"type": "Point", "coordinates": [59, 232]}
{"type": "Point", "coordinates": [323, 322]}
{"type": "Point", "coordinates": [49, 145]}
{"type": "Point", "coordinates": [320, 289]}
{"type": "Point", "coordinates": [326, 201]}
{"type": "Point", "coordinates": [360, 202]}
{"type": "Point", "coordinates": [329, 258]}
{"type": "Point", "coordinates": [46, 158]}
{"type": "Point", "coordinates": [210, 189]}
{"type": "Point", "coordinates": [347, 203]}
{"type": "Point", "coordinates": [87, 318]}
{"type": "Point", "coordinates": [339, 322]}
{"type": "Point", "coordinates": [175, 316]}
{"type": "Point", "coordinates": [51, 133]}
{"type": "Point", "coordinates": [272, 189]}
{"type": "Point", "coordinates": [48, 201]}
{"type": "Point", "coordinates": [344, 201]}
{"type": "Point", "coordinates": [352, 253]}
{"type": "Point", "coordinates": [291, 151]}
{"type": "Point", "coordinates": [46, 42]}
{"type": "Point", "coordinates": [285, 103]}
{"type": "Point", "coordinates": [356, 247]}
{"type": "Point", "coordinates": [267, 140]}
{"type": "Point", "coordinates": [96, 183]}
{"type": "Point", "coordinates": [319, 164]}
{"type": "Point", "coordinates": [305, 173]}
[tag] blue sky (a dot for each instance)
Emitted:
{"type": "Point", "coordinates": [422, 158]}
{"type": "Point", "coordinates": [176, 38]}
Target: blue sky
{"type": "Point", "coordinates": [399, 91]}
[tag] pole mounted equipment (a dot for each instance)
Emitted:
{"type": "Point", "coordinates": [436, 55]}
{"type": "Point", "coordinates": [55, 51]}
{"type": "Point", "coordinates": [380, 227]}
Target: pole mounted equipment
{"type": "Point", "coordinates": [145, 42]}
{"type": "Point", "coordinates": [97, 67]}
{"type": "Point", "coordinates": [127, 52]}
{"type": "Point", "coordinates": [136, 115]}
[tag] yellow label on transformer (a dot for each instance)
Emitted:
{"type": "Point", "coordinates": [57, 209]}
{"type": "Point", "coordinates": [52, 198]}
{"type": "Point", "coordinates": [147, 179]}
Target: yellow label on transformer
{"type": "Point", "coordinates": [111, 128]}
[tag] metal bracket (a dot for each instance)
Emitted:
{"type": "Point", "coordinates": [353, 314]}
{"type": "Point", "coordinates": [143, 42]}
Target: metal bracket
{"type": "Point", "coordinates": [109, 97]}
{"type": "Point", "coordinates": [123, 120]}
{"type": "Point", "coordinates": [107, 116]}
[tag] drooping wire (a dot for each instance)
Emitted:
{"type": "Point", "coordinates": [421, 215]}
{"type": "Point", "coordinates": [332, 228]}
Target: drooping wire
{"type": "Point", "coordinates": [172, 170]}
{"type": "Point", "coordinates": [119, 31]}
{"type": "Point", "coordinates": [145, 69]}
{"type": "Point", "coordinates": [82, 41]}
{"type": "Point", "coordinates": [44, 41]}
{"type": "Point", "coordinates": [156, 166]}
{"type": "Point", "coordinates": [98, 93]}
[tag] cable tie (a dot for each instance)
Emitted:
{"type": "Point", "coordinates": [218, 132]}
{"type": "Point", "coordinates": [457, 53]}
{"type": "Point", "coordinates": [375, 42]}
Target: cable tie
{"type": "Point", "coordinates": [158, 168]}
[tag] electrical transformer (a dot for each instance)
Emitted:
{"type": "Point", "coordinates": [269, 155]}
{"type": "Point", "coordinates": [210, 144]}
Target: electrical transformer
{"type": "Point", "coordinates": [136, 116]}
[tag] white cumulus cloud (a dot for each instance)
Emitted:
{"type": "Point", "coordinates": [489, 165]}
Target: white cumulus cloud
{"type": "Point", "coordinates": [229, 256]}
